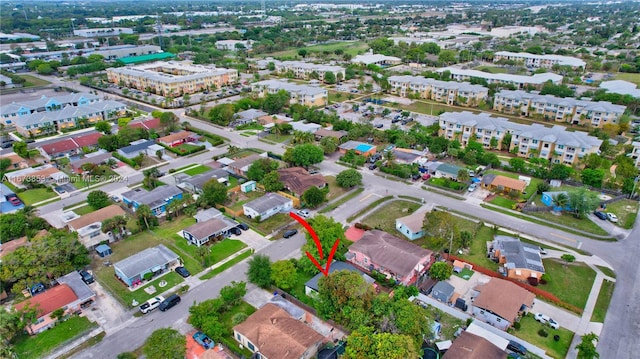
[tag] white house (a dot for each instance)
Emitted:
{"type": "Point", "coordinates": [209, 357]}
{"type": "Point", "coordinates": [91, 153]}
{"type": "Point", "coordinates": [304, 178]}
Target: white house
{"type": "Point", "coordinates": [266, 206]}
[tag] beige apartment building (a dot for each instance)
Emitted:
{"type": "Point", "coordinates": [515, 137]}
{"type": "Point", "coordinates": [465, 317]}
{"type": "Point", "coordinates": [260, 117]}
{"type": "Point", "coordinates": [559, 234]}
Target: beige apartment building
{"type": "Point", "coordinates": [306, 95]}
{"type": "Point", "coordinates": [304, 70]}
{"type": "Point", "coordinates": [555, 144]}
{"type": "Point", "coordinates": [519, 81]}
{"type": "Point", "coordinates": [539, 61]}
{"type": "Point", "coordinates": [548, 107]}
{"type": "Point", "coordinates": [172, 78]}
{"type": "Point", "coordinates": [451, 93]}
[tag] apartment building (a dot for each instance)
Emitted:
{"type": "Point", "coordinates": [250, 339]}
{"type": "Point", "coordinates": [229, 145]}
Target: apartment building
{"type": "Point", "coordinates": [376, 59]}
{"type": "Point", "coordinates": [570, 110]}
{"type": "Point", "coordinates": [13, 110]}
{"type": "Point", "coordinates": [102, 32]}
{"type": "Point", "coordinates": [539, 61]}
{"type": "Point", "coordinates": [304, 70]}
{"type": "Point", "coordinates": [635, 153]}
{"type": "Point", "coordinates": [302, 94]}
{"type": "Point", "coordinates": [553, 143]}
{"type": "Point", "coordinates": [451, 93]}
{"type": "Point", "coordinates": [520, 81]}
{"type": "Point", "coordinates": [230, 45]}
{"type": "Point", "coordinates": [172, 78]}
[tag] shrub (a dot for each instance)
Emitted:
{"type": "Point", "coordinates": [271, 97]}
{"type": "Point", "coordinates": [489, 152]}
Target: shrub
{"type": "Point", "coordinates": [148, 276]}
{"type": "Point", "coordinates": [543, 333]}
{"type": "Point", "coordinates": [556, 338]}
{"type": "Point", "coordinates": [238, 318]}
{"type": "Point", "coordinates": [517, 325]}
{"type": "Point", "coordinates": [183, 289]}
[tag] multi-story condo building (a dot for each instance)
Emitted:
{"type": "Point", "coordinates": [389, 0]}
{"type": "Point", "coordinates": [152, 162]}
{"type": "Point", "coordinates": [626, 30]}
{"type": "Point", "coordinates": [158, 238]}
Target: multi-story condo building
{"type": "Point", "coordinates": [539, 61]}
{"type": "Point", "coordinates": [230, 45]}
{"type": "Point", "coordinates": [302, 94]}
{"type": "Point", "coordinates": [519, 81]}
{"type": "Point", "coordinates": [172, 78]}
{"type": "Point", "coordinates": [304, 70]}
{"type": "Point", "coordinates": [376, 59]}
{"type": "Point", "coordinates": [635, 153]}
{"type": "Point", "coordinates": [11, 111]}
{"type": "Point", "coordinates": [531, 104]}
{"type": "Point", "coordinates": [555, 144]}
{"type": "Point", "coordinates": [451, 93]}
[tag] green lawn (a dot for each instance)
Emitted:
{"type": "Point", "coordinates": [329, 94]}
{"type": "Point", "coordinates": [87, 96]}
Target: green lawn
{"type": "Point", "coordinates": [239, 198]}
{"type": "Point", "coordinates": [184, 168]}
{"type": "Point", "coordinates": [227, 265]}
{"type": "Point", "coordinates": [446, 183]}
{"type": "Point", "coordinates": [277, 138]}
{"type": "Point", "coordinates": [39, 345]}
{"type": "Point", "coordinates": [335, 96]}
{"type": "Point", "coordinates": [108, 280]}
{"type": "Point", "coordinates": [465, 274]}
{"type": "Point", "coordinates": [335, 191]}
{"type": "Point", "coordinates": [477, 252]}
{"type": "Point", "coordinates": [529, 332]}
{"type": "Point", "coordinates": [227, 320]}
{"type": "Point", "coordinates": [571, 284]}
{"type": "Point", "coordinates": [81, 211]}
{"type": "Point", "coordinates": [503, 202]}
{"type": "Point", "coordinates": [270, 224]}
{"type": "Point", "coordinates": [342, 200]}
{"type": "Point", "coordinates": [382, 220]}
{"type": "Point", "coordinates": [433, 108]}
{"type": "Point", "coordinates": [607, 271]}
{"type": "Point", "coordinates": [602, 304]}
{"type": "Point", "coordinates": [33, 81]}
{"type": "Point", "coordinates": [197, 170]}
{"type": "Point", "coordinates": [352, 48]}
{"type": "Point", "coordinates": [449, 324]}
{"type": "Point", "coordinates": [492, 69]}
{"type": "Point", "coordinates": [569, 220]}
{"type": "Point", "coordinates": [635, 78]}
{"type": "Point", "coordinates": [217, 252]}
{"type": "Point", "coordinates": [224, 249]}
{"type": "Point", "coordinates": [31, 196]}
{"type": "Point", "coordinates": [186, 148]}
{"type": "Point", "coordinates": [626, 210]}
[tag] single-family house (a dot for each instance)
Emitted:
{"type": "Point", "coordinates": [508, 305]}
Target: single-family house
{"type": "Point", "coordinates": [519, 260]}
{"type": "Point", "coordinates": [89, 226]}
{"type": "Point", "coordinates": [266, 206]}
{"type": "Point", "coordinates": [150, 124]}
{"type": "Point", "coordinates": [62, 148]}
{"type": "Point", "coordinates": [548, 199]}
{"type": "Point", "coordinates": [471, 346]}
{"type": "Point", "coordinates": [43, 174]}
{"type": "Point", "coordinates": [323, 132]}
{"type": "Point", "coordinates": [71, 295]}
{"type": "Point", "coordinates": [500, 302]}
{"type": "Point", "coordinates": [309, 127]}
{"type": "Point", "coordinates": [504, 184]}
{"type": "Point", "coordinates": [207, 214]}
{"type": "Point", "coordinates": [360, 148]}
{"type": "Point", "coordinates": [178, 138]}
{"type": "Point", "coordinates": [311, 286]}
{"type": "Point", "coordinates": [17, 162]}
{"type": "Point", "coordinates": [411, 226]}
{"type": "Point", "coordinates": [447, 170]}
{"type": "Point", "coordinates": [240, 166]}
{"type": "Point", "coordinates": [394, 257]}
{"type": "Point", "coordinates": [443, 291]}
{"type": "Point", "coordinates": [275, 334]}
{"type": "Point", "coordinates": [212, 229]}
{"type": "Point", "coordinates": [407, 155]}
{"type": "Point", "coordinates": [297, 180]}
{"type": "Point", "coordinates": [96, 158]}
{"type": "Point", "coordinates": [194, 184]}
{"type": "Point", "coordinates": [247, 116]}
{"type": "Point", "coordinates": [157, 199]}
{"type": "Point", "coordinates": [136, 148]}
{"type": "Point", "coordinates": [10, 246]}
{"type": "Point", "coordinates": [131, 270]}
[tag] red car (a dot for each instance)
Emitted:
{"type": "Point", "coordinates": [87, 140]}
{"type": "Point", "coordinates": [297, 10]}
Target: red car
{"type": "Point", "coordinates": [14, 200]}
{"type": "Point", "coordinates": [426, 176]}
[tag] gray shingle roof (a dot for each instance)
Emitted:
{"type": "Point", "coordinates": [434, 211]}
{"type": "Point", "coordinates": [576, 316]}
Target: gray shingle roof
{"type": "Point", "coordinates": [213, 226]}
{"type": "Point", "coordinates": [337, 266]}
{"type": "Point", "coordinates": [442, 291]}
{"type": "Point", "coordinates": [143, 261]}
{"type": "Point", "coordinates": [266, 202]}
{"type": "Point", "coordinates": [518, 254]}
{"type": "Point", "coordinates": [137, 147]}
{"type": "Point", "coordinates": [438, 84]}
{"type": "Point", "coordinates": [200, 179]}
{"type": "Point", "coordinates": [599, 106]}
{"type": "Point", "coordinates": [77, 285]}
{"type": "Point", "coordinates": [153, 198]}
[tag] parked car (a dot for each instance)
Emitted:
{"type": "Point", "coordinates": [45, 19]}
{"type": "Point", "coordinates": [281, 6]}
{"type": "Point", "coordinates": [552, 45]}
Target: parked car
{"type": "Point", "coordinates": [373, 166]}
{"type": "Point", "coordinates": [151, 304]}
{"type": "Point", "coordinates": [601, 215]}
{"type": "Point", "coordinates": [14, 200]}
{"type": "Point", "coordinates": [203, 340]}
{"type": "Point", "coordinates": [243, 226]}
{"type": "Point", "coordinates": [542, 250]}
{"type": "Point", "coordinates": [612, 217]}
{"type": "Point", "coordinates": [426, 176]}
{"type": "Point", "coordinates": [86, 276]}
{"type": "Point", "coordinates": [235, 231]}
{"type": "Point", "coordinates": [472, 173]}
{"type": "Point", "coordinates": [472, 187]}
{"type": "Point", "coordinates": [517, 347]}
{"type": "Point", "coordinates": [379, 125]}
{"type": "Point", "coordinates": [169, 302]}
{"type": "Point", "coordinates": [290, 233]}
{"type": "Point", "coordinates": [183, 272]}
{"type": "Point", "coordinates": [553, 324]}
{"type": "Point", "coordinates": [303, 213]}
{"type": "Point", "coordinates": [545, 319]}
{"type": "Point", "coordinates": [415, 177]}
{"type": "Point", "coordinates": [116, 199]}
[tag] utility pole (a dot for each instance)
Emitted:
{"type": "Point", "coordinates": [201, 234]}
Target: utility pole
{"type": "Point", "coordinates": [159, 28]}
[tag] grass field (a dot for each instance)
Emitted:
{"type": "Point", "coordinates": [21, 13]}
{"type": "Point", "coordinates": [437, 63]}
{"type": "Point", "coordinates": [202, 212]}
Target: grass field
{"type": "Point", "coordinates": [382, 220]}
{"type": "Point", "coordinates": [227, 265]}
{"type": "Point", "coordinates": [635, 78]}
{"type": "Point", "coordinates": [37, 346]}
{"type": "Point", "coordinates": [277, 138]}
{"type": "Point", "coordinates": [607, 271]}
{"type": "Point", "coordinates": [197, 170]}
{"type": "Point", "coordinates": [477, 252]}
{"type": "Point", "coordinates": [270, 224]}
{"type": "Point", "coordinates": [33, 81]}
{"type": "Point", "coordinates": [529, 332]}
{"type": "Point", "coordinates": [492, 69]}
{"type": "Point", "coordinates": [433, 108]}
{"type": "Point", "coordinates": [335, 191]}
{"type": "Point", "coordinates": [602, 304]}
{"type": "Point", "coordinates": [352, 48]}
{"type": "Point", "coordinates": [569, 220]}
{"type": "Point", "coordinates": [341, 201]}
{"type": "Point", "coordinates": [626, 210]}
{"type": "Point", "coordinates": [81, 211]}
{"type": "Point", "coordinates": [571, 284]}
{"type": "Point", "coordinates": [31, 196]}
{"type": "Point", "coordinates": [108, 280]}
{"type": "Point", "coordinates": [503, 202]}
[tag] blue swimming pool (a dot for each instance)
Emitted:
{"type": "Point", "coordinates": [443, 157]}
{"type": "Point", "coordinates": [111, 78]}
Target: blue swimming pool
{"type": "Point", "coordinates": [363, 147]}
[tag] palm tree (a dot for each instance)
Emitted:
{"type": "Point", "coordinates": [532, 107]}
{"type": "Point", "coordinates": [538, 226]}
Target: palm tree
{"type": "Point", "coordinates": [463, 175]}
{"type": "Point", "coordinates": [300, 137]}
{"type": "Point", "coordinates": [108, 225]}
{"type": "Point", "coordinates": [560, 200]}
{"type": "Point", "coordinates": [389, 156]}
{"type": "Point", "coordinates": [121, 225]}
{"type": "Point", "coordinates": [143, 214]}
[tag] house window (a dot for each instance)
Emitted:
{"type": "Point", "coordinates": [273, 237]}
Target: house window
{"type": "Point", "coordinates": [250, 346]}
{"type": "Point", "coordinates": [498, 320]}
{"type": "Point", "coordinates": [482, 312]}
{"type": "Point", "coordinates": [238, 337]}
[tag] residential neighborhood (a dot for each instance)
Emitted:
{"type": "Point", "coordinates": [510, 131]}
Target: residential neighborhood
{"type": "Point", "coordinates": [227, 180]}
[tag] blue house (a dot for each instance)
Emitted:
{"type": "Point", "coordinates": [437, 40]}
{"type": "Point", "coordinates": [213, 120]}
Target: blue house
{"type": "Point", "coordinates": [411, 226]}
{"type": "Point", "coordinates": [547, 200]}
{"type": "Point", "coordinates": [156, 260]}
{"type": "Point", "coordinates": [157, 199]}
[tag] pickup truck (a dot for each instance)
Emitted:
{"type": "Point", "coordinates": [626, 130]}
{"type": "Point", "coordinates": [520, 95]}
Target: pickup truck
{"type": "Point", "coordinates": [203, 340]}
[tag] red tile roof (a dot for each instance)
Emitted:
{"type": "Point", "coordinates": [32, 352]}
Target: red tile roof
{"type": "Point", "coordinates": [90, 139]}
{"type": "Point", "coordinates": [147, 124]}
{"type": "Point", "coordinates": [354, 234]}
{"type": "Point", "coordinates": [60, 146]}
{"type": "Point", "coordinates": [55, 298]}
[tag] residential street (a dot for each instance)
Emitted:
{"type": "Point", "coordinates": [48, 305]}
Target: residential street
{"type": "Point", "coordinates": [619, 338]}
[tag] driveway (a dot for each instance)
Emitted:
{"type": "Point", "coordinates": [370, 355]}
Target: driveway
{"type": "Point", "coordinates": [107, 311]}
{"type": "Point", "coordinates": [252, 239]}
{"type": "Point", "coordinates": [565, 318]}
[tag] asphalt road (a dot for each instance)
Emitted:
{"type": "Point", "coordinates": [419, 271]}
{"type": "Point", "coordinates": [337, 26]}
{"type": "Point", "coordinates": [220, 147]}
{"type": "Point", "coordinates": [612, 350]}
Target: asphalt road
{"type": "Point", "coordinates": [619, 338]}
{"type": "Point", "coordinates": [135, 332]}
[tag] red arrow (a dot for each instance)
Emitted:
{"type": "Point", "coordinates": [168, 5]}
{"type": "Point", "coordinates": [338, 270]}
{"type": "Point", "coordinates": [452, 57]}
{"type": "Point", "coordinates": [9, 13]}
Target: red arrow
{"type": "Point", "coordinates": [313, 234]}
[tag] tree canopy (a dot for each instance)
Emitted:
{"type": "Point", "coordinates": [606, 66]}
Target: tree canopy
{"type": "Point", "coordinates": [165, 343]}
{"type": "Point", "coordinates": [259, 272]}
{"type": "Point", "coordinates": [284, 274]}
{"type": "Point", "coordinates": [349, 178]}
{"type": "Point", "coordinates": [260, 168]}
{"type": "Point", "coordinates": [304, 155]}
{"type": "Point", "coordinates": [214, 192]}
{"type": "Point", "coordinates": [328, 230]}
{"type": "Point", "coordinates": [365, 343]}
{"type": "Point", "coordinates": [98, 199]}
{"type": "Point", "coordinates": [313, 197]}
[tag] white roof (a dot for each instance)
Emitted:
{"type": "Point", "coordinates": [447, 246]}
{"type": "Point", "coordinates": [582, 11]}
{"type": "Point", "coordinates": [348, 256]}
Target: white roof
{"type": "Point", "coordinates": [494, 339]}
{"type": "Point", "coordinates": [597, 106]}
{"type": "Point", "coordinates": [449, 85]}
{"type": "Point", "coordinates": [621, 87]}
{"type": "Point", "coordinates": [291, 87]}
{"type": "Point", "coordinates": [536, 79]}
{"type": "Point", "coordinates": [373, 58]}
{"type": "Point", "coordinates": [562, 60]}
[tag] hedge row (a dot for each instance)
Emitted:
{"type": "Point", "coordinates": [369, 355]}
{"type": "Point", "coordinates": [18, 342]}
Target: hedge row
{"type": "Point", "coordinates": [186, 152]}
{"type": "Point", "coordinates": [124, 159]}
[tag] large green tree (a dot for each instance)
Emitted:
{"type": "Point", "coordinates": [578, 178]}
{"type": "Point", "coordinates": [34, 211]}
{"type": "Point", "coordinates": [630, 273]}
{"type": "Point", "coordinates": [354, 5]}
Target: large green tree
{"type": "Point", "coordinates": [441, 226]}
{"type": "Point", "coordinates": [259, 272]}
{"type": "Point", "coordinates": [145, 217]}
{"type": "Point", "coordinates": [328, 230]}
{"type": "Point", "coordinates": [271, 182]}
{"type": "Point", "coordinates": [165, 343]}
{"type": "Point", "coordinates": [304, 155]}
{"type": "Point", "coordinates": [345, 297]}
{"type": "Point", "coordinates": [260, 168]}
{"type": "Point", "coordinates": [313, 197]}
{"type": "Point", "coordinates": [365, 343]}
{"type": "Point", "coordinates": [440, 271]}
{"type": "Point", "coordinates": [329, 145]}
{"type": "Point", "coordinates": [214, 192]}
{"type": "Point", "coordinates": [274, 103]}
{"type": "Point", "coordinates": [98, 199]}
{"type": "Point", "coordinates": [349, 178]}
{"type": "Point", "coordinates": [582, 201]}
{"type": "Point", "coordinates": [283, 274]}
